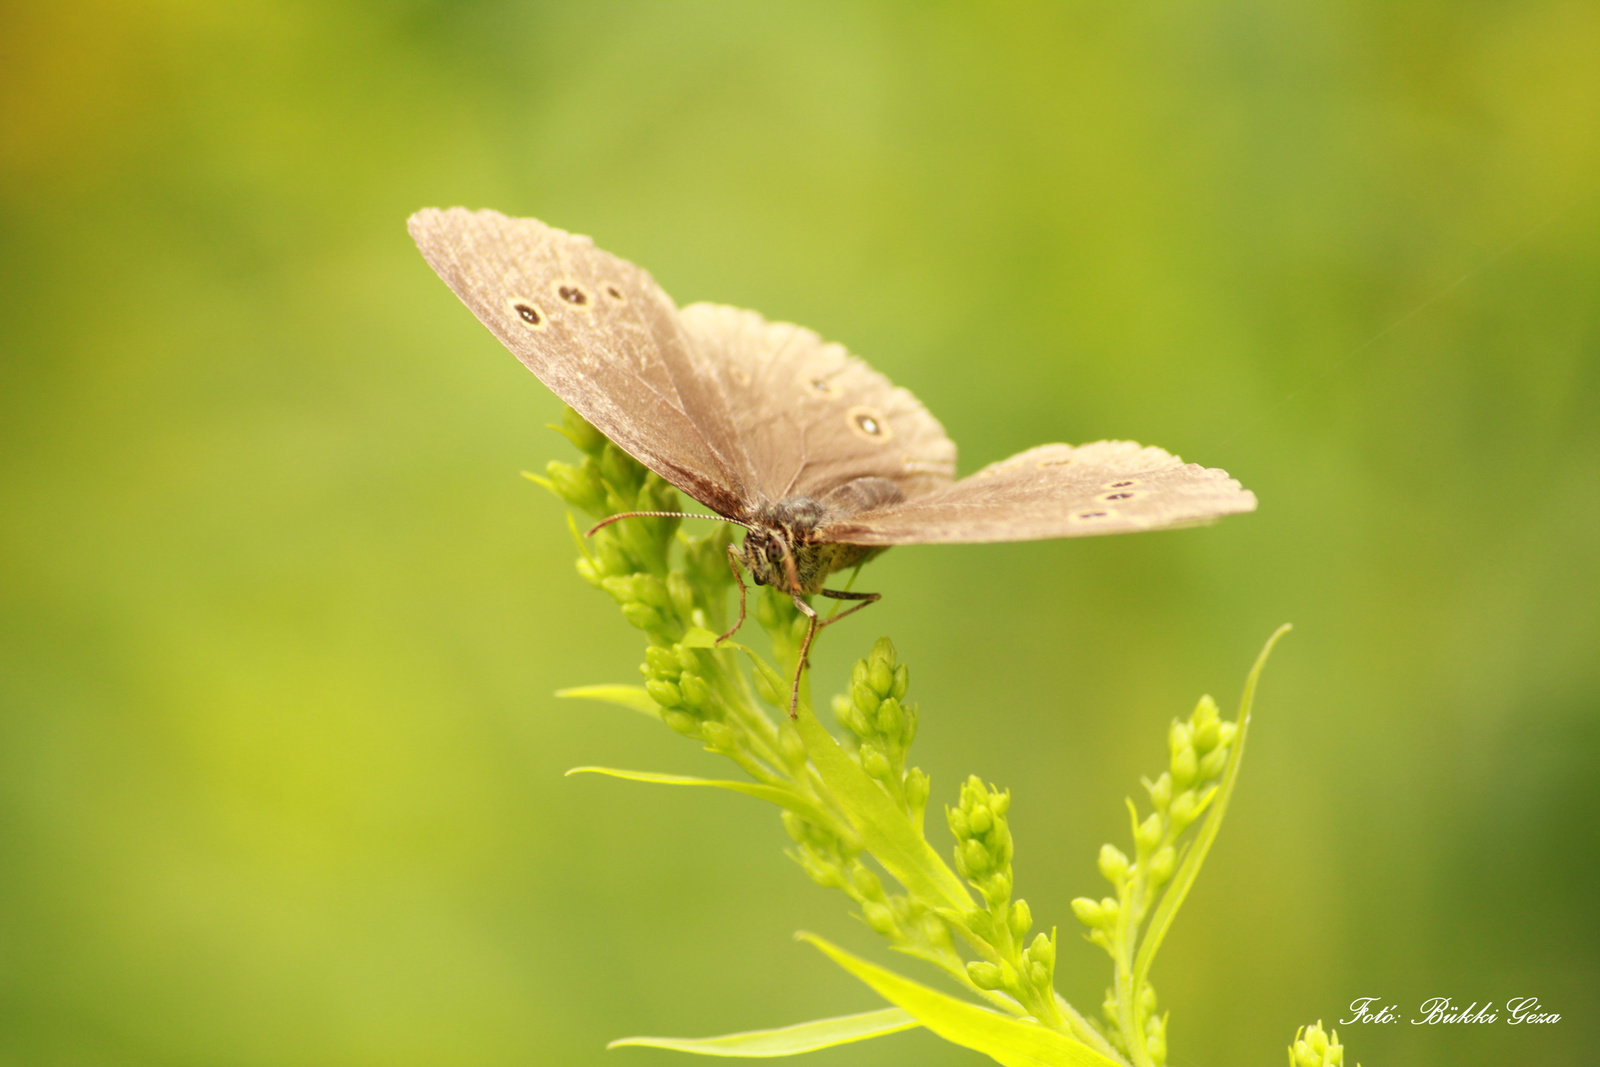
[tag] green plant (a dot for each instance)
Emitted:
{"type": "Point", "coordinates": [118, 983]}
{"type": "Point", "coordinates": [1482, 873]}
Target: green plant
{"type": "Point", "coordinates": [844, 804]}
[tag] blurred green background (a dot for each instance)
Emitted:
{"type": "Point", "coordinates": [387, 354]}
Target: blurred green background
{"type": "Point", "coordinates": [280, 769]}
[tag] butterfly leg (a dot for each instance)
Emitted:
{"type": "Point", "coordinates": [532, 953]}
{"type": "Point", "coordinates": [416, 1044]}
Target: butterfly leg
{"type": "Point", "coordinates": [811, 633]}
{"type": "Point", "coordinates": [733, 564]}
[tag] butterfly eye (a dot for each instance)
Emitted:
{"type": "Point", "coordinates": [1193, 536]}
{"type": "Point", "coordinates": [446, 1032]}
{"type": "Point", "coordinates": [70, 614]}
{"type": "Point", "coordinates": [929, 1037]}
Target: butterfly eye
{"type": "Point", "coordinates": [616, 294]}
{"type": "Point", "coordinates": [529, 314]}
{"type": "Point", "coordinates": [869, 424]}
{"type": "Point", "coordinates": [572, 293]}
{"type": "Point", "coordinates": [1123, 494]}
{"type": "Point", "coordinates": [1055, 461]}
{"type": "Point", "coordinates": [1093, 516]}
{"type": "Point", "coordinates": [1126, 483]}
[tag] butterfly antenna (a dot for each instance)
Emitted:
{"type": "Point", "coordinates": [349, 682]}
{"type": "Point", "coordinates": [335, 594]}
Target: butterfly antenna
{"type": "Point", "coordinates": [660, 515]}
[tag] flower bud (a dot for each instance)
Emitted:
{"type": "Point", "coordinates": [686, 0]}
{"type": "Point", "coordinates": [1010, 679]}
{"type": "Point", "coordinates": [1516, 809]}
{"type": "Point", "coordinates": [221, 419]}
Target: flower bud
{"type": "Point", "coordinates": [881, 677]}
{"type": "Point", "coordinates": [984, 975]}
{"type": "Point", "coordinates": [664, 693]}
{"type": "Point", "coordinates": [653, 591]}
{"type": "Point", "coordinates": [1183, 809]}
{"type": "Point", "coordinates": [1147, 835]}
{"type": "Point", "coordinates": [916, 789]}
{"type": "Point", "coordinates": [1020, 920]}
{"type": "Point", "coordinates": [1161, 864]}
{"type": "Point", "coordinates": [620, 588]}
{"type": "Point", "coordinates": [864, 698]}
{"type": "Point", "coordinates": [1000, 803]}
{"type": "Point", "coordinates": [882, 653]}
{"type": "Point", "coordinates": [589, 571]}
{"type": "Point", "coordinates": [891, 720]}
{"type": "Point", "coordinates": [1178, 738]}
{"type": "Point", "coordinates": [682, 722]}
{"type": "Point", "coordinates": [662, 661]}
{"type": "Point", "coordinates": [681, 592]}
{"type": "Point", "coordinates": [873, 761]}
{"type": "Point", "coordinates": [1184, 768]}
{"type": "Point", "coordinates": [908, 732]}
{"type": "Point", "coordinates": [1039, 975]}
{"type": "Point", "coordinates": [902, 682]}
{"type": "Point", "coordinates": [1043, 950]}
{"type": "Point", "coordinates": [818, 869]}
{"type": "Point", "coordinates": [1226, 731]}
{"type": "Point", "coordinates": [997, 888]}
{"type": "Point", "coordinates": [643, 616]}
{"type": "Point", "coordinates": [696, 693]}
{"type": "Point", "coordinates": [795, 827]}
{"type": "Point", "coordinates": [621, 470]}
{"type": "Point", "coordinates": [580, 433]}
{"type": "Point", "coordinates": [858, 673]}
{"type": "Point", "coordinates": [975, 856]}
{"type": "Point", "coordinates": [577, 486]}
{"type": "Point", "coordinates": [879, 917]}
{"type": "Point", "coordinates": [1160, 791]}
{"type": "Point", "coordinates": [979, 819]}
{"type": "Point", "coordinates": [959, 827]}
{"type": "Point", "coordinates": [1212, 764]}
{"type": "Point", "coordinates": [866, 883]}
{"type": "Point", "coordinates": [1088, 912]}
{"type": "Point", "coordinates": [609, 558]}
{"type": "Point", "coordinates": [719, 736]}
{"type": "Point", "coordinates": [1113, 865]}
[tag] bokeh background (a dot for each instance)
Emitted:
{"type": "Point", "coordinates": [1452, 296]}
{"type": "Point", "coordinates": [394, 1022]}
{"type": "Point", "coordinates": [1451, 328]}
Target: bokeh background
{"type": "Point", "coordinates": [280, 767]}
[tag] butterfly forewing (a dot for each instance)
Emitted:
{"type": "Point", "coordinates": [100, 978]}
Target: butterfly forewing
{"type": "Point", "coordinates": [601, 334]}
{"type": "Point", "coordinates": [810, 417]}
{"type": "Point", "coordinates": [1055, 491]}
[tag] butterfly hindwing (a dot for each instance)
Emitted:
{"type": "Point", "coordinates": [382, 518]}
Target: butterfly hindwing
{"type": "Point", "coordinates": [1055, 491]}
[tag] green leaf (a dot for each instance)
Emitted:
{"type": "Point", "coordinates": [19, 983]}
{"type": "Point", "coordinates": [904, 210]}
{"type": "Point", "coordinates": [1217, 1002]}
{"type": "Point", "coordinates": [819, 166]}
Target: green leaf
{"type": "Point", "coordinates": [788, 1041]}
{"type": "Point", "coordinates": [627, 696]}
{"type": "Point", "coordinates": [1013, 1042]}
{"type": "Point", "coordinates": [698, 637]}
{"type": "Point", "coordinates": [1189, 869]}
{"type": "Point", "coordinates": [886, 831]}
{"type": "Point", "coordinates": [784, 798]}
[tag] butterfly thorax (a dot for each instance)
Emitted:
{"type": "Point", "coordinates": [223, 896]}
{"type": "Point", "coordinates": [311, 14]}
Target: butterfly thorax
{"type": "Point", "coordinates": [786, 531]}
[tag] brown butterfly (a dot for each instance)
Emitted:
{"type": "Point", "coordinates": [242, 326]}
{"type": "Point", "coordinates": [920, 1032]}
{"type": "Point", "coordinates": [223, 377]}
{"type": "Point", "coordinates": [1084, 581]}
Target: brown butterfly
{"type": "Point", "coordinates": [822, 461]}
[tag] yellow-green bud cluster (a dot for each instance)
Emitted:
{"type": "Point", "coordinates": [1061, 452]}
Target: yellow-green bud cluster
{"type": "Point", "coordinates": [1153, 1025]}
{"type": "Point", "coordinates": [983, 839]}
{"type": "Point", "coordinates": [674, 677]}
{"type": "Point", "coordinates": [883, 725]}
{"type": "Point", "coordinates": [1315, 1048]}
{"type": "Point", "coordinates": [906, 922]}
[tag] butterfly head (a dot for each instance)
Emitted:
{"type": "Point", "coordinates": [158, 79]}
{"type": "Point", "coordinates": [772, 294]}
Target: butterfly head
{"type": "Point", "coordinates": [778, 550]}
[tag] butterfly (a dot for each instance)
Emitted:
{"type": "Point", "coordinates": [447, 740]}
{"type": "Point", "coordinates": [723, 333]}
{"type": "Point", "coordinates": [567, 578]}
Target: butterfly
{"type": "Point", "coordinates": [820, 458]}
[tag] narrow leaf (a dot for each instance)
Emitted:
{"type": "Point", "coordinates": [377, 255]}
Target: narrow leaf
{"type": "Point", "coordinates": [886, 831]}
{"type": "Point", "coordinates": [784, 798]}
{"type": "Point", "coordinates": [698, 637]}
{"type": "Point", "coordinates": [1189, 869]}
{"type": "Point", "coordinates": [788, 1041]}
{"type": "Point", "coordinates": [627, 696]}
{"type": "Point", "coordinates": [1013, 1042]}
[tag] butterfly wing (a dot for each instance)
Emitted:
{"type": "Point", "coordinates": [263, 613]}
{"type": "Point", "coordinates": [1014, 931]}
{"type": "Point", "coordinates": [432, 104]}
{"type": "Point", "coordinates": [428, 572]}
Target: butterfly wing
{"type": "Point", "coordinates": [1054, 491]}
{"type": "Point", "coordinates": [601, 334]}
{"type": "Point", "coordinates": [810, 417]}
